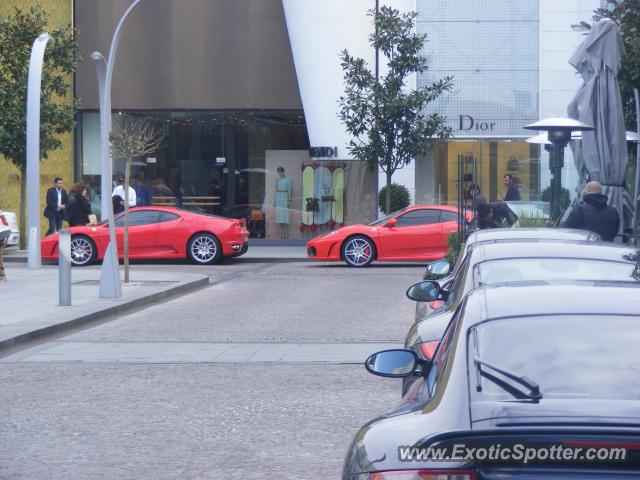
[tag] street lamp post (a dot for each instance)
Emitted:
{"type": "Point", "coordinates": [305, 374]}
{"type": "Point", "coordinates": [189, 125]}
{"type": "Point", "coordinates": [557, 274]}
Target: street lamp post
{"type": "Point", "coordinates": [558, 133]}
{"type": "Point", "coordinates": [110, 285]}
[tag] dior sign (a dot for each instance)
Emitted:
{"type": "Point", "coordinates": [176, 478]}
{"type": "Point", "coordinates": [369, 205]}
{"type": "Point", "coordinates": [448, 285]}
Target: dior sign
{"type": "Point", "coordinates": [468, 123]}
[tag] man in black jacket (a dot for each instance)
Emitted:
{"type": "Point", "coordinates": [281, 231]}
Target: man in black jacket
{"type": "Point", "coordinates": [56, 203]}
{"type": "Point", "coordinates": [594, 214]}
{"type": "Point", "coordinates": [512, 194]}
{"type": "Point", "coordinates": [495, 215]}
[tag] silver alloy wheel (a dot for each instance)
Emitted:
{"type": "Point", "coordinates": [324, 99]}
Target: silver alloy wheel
{"type": "Point", "coordinates": [81, 250]}
{"type": "Point", "coordinates": [358, 252]}
{"type": "Point", "coordinates": [203, 249]}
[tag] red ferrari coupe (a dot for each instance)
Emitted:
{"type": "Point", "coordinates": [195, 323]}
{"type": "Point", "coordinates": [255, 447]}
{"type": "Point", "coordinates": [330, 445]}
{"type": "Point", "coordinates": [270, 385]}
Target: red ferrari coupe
{"type": "Point", "coordinates": [158, 232]}
{"type": "Point", "coordinates": [420, 232]}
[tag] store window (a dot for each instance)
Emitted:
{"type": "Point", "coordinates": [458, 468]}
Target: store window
{"type": "Point", "coordinates": [208, 161]}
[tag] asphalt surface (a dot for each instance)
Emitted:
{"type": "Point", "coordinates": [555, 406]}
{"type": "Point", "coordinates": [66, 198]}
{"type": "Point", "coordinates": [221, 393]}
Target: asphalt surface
{"type": "Point", "coordinates": [257, 376]}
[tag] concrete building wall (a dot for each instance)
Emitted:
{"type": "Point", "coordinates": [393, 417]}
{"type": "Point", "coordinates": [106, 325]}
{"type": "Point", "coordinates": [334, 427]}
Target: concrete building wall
{"type": "Point", "coordinates": [195, 54]}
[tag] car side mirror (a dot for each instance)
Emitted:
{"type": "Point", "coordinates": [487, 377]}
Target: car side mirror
{"type": "Point", "coordinates": [391, 223]}
{"type": "Point", "coordinates": [424, 291]}
{"type": "Point", "coordinates": [438, 269]}
{"type": "Point", "coordinates": [392, 363]}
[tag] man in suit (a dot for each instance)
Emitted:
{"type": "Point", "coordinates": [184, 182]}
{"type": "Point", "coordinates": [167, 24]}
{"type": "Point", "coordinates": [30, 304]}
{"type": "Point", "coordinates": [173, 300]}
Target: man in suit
{"type": "Point", "coordinates": [56, 203]}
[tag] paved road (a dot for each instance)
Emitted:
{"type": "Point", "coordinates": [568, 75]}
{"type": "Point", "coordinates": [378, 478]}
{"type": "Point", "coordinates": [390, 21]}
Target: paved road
{"type": "Point", "coordinates": [257, 376]}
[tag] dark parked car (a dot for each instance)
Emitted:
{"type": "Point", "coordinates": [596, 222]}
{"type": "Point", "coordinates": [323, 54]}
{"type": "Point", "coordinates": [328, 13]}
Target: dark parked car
{"type": "Point", "coordinates": [491, 264]}
{"type": "Point", "coordinates": [498, 235]}
{"type": "Point", "coordinates": [553, 366]}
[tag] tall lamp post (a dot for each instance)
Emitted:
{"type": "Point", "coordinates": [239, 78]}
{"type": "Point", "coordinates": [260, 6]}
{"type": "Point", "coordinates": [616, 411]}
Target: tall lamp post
{"type": "Point", "coordinates": [110, 286]}
{"type": "Point", "coordinates": [558, 133]}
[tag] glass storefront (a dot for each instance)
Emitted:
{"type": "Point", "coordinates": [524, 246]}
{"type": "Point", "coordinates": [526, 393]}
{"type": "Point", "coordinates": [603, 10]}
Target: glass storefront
{"type": "Point", "coordinates": [211, 161]}
{"type": "Point", "coordinates": [491, 51]}
{"type": "Point", "coordinates": [484, 162]}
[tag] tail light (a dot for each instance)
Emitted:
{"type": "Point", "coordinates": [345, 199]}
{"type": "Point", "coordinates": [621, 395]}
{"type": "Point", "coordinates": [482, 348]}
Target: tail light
{"type": "Point", "coordinates": [3, 220]}
{"type": "Point", "coordinates": [425, 475]}
{"type": "Point", "coordinates": [427, 349]}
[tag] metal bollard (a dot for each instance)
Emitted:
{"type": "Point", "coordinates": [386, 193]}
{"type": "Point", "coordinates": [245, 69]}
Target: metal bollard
{"type": "Point", "coordinates": [64, 267]}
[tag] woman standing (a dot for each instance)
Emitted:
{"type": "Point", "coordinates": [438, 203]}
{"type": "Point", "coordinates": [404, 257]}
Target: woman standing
{"type": "Point", "coordinates": [79, 206]}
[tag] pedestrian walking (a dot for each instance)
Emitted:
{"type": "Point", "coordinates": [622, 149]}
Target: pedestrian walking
{"type": "Point", "coordinates": [512, 194]}
{"type": "Point", "coordinates": [56, 204]}
{"type": "Point", "coordinates": [79, 207]}
{"type": "Point", "coordinates": [477, 198]}
{"type": "Point", "coordinates": [594, 214]}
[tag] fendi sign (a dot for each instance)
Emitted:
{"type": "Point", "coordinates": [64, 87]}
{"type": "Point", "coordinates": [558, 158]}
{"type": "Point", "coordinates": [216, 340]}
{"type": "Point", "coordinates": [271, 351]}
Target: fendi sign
{"type": "Point", "coordinates": [323, 152]}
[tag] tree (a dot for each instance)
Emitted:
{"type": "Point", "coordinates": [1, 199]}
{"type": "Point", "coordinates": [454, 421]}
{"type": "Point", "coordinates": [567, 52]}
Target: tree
{"type": "Point", "coordinates": [400, 198]}
{"type": "Point", "coordinates": [626, 14]}
{"type": "Point", "coordinates": [388, 123]}
{"type": "Point", "coordinates": [17, 34]}
{"type": "Point", "coordinates": [132, 138]}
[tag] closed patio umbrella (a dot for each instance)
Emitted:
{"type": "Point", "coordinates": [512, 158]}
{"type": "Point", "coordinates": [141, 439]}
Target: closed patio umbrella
{"type": "Point", "coordinates": [602, 154]}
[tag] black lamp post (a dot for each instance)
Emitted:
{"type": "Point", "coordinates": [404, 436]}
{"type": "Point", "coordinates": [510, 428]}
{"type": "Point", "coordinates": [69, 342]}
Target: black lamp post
{"type": "Point", "coordinates": [558, 133]}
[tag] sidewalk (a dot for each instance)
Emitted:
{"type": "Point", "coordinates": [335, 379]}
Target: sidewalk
{"type": "Point", "coordinates": [30, 309]}
{"type": "Point", "coordinates": [260, 250]}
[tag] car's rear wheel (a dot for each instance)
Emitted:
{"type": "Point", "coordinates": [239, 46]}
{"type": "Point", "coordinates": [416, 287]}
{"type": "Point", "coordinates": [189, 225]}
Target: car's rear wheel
{"type": "Point", "coordinates": [83, 251]}
{"type": "Point", "coordinates": [358, 251]}
{"type": "Point", "coordinates": [204, 249]}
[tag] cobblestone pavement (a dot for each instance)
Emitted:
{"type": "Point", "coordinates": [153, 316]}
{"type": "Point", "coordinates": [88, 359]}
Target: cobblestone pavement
{"type": "Point", "coordinates": [249, 378]}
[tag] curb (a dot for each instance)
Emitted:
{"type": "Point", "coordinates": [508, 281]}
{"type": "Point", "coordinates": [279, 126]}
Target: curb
{"type": "Point", "coordinates": [23, 260]}
{"type": "Point", "coordinates": [100, 316]}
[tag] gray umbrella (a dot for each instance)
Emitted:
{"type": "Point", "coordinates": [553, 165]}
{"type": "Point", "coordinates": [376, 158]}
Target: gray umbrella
{"type": "Point", "coordinates": [602, 154]}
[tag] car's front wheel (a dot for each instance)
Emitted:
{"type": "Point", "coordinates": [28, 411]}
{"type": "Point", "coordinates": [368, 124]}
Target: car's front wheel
{"type": "Point", "coordinates": [358, 251]}
{"type": "Point", "coordinates": [204, 249]}
{"type": "Point", "coordinates": [83, 251]}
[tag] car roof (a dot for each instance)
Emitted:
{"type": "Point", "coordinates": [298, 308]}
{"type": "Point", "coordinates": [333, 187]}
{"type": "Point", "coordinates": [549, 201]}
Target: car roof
{"type": "Point", "coordinates": [533, 233]}
{"type": "Point", "coordinates": [579, 298]}
{"type": "Point", "coordinates": [552, 249]}
{"type": "Point", "coordinates": [439, 207]}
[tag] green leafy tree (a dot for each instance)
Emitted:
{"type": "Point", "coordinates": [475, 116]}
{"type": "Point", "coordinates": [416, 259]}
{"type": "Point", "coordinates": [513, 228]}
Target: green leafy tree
{"type": "Point", "coordinates": [17, 34]}
{"type": "Point", "coordinates": [626, 14]}
{"type": "Point", "coordinates": [387, 121]}
{"type": "Point", "coordinates": [400, 198]}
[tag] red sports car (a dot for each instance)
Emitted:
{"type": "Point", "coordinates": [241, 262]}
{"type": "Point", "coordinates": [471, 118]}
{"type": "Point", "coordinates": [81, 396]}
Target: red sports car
{"type": "Point", "coordinates": [158, 232]}
{"type": "Point", "coordinates": [420, 232]}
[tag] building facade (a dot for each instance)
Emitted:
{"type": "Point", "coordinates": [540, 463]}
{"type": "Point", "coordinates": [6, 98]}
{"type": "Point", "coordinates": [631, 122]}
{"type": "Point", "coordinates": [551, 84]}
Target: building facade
{"type": "Point", "coordinates": [240, 88]}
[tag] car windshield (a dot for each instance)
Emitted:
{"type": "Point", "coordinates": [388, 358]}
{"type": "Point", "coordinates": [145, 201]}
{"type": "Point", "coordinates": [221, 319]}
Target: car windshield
{"type": "Point", "coordinates": [588, 356]}
{"type": "Point", "coordinates": [384, 219]}
{"type": "Point", "coordinates": [515, 270]}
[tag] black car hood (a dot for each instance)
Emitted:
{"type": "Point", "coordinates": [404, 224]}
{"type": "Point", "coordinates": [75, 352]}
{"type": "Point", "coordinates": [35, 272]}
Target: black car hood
{"type": "Point", "coordinates": [565, 412]}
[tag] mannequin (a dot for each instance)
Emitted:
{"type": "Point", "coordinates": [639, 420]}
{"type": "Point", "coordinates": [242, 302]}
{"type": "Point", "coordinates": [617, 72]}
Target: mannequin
{"type": "Point", "coordinates": [284, 189]}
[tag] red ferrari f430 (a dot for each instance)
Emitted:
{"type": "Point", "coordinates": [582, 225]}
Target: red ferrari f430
{"type": "Point", "coordinates": [416, 233]}
{"type": "Point", "coordinates": [158, 233]}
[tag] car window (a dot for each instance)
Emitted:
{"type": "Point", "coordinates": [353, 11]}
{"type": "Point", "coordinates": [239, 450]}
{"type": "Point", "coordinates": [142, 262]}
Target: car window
{"type": "Point", "coordinates": [442, 354]}
{"type": "Point", "coordinates": [513, 270]}
{"type": "Point", "coordinates": [446, 216]}
{"type": "Point", "coordinates": [422, 216]}
{"type": "Point", "coordinates": [139, 217]}
{"type": "Point", "coordinates": [581, 357]}
{"type": "Point", "coordinates": [167, 217]}
{"type": "Point", "coordinates": [382, 220]}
